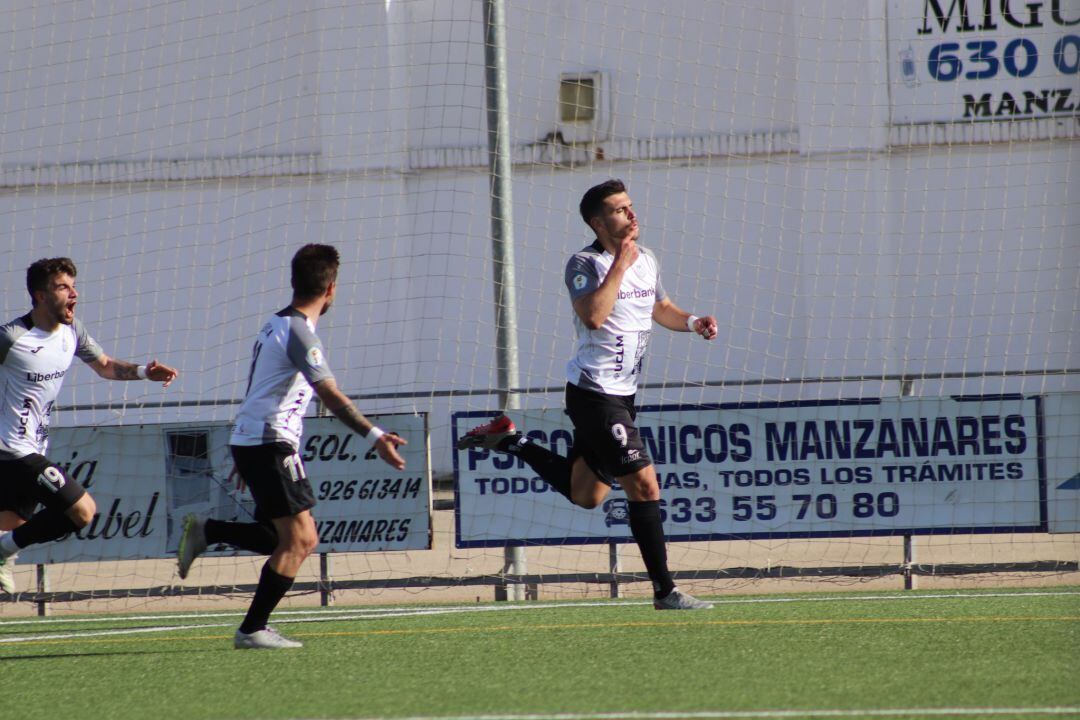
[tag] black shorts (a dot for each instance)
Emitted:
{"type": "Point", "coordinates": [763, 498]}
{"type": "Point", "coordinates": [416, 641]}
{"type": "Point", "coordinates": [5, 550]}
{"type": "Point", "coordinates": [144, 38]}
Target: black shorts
{"type": "Point", "coordinates": [34, 479]}
{"type": "Point", "coordinates": [604, 432]}
{"type": "Point", "coordinates": [276, 477]}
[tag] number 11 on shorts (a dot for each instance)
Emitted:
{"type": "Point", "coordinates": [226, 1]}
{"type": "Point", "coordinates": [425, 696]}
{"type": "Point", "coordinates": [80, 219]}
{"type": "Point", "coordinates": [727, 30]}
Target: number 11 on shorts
{"type": "Point", "coordinates": [295, 467]}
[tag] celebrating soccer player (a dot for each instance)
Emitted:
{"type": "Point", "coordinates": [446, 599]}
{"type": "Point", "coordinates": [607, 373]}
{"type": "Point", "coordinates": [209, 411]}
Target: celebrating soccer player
{"type": "Point", "coordinates": [287, 362]}
{"type": "Point", "coordinates": [36, 351]}
{"type": "Point", "coordinates": [616, 294]}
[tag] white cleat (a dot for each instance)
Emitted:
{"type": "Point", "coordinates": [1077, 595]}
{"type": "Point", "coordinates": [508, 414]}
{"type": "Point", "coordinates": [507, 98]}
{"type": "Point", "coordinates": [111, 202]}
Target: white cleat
{"type": "Point", "coordinates": [266, 639]}
{"type": "Point", "coordinates": [7, 574]}
{"type": "Point", "coordinates": [192, 543]}
{"type": "Point", "coordinates": [678, 600]}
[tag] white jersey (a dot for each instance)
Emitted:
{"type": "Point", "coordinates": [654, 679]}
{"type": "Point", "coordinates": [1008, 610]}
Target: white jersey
{"type": "Point", "coordinates": [286, 361]}
{"type": "Point", "coordinates": [609, 359]}
{"type": "Point", "coordinates": [33, 364]}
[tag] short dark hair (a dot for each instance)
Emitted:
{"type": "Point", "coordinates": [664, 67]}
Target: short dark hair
{"type": "Point", "coordinates": [314, 267]}
{"type": "Point", "coordinates": [41, 271]}
{"type": "Point", "coordinates": [593, 199]}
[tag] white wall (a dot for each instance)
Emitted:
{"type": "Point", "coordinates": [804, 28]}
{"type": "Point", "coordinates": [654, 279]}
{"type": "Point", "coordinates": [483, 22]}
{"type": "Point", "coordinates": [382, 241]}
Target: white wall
{"type": "Point", "coordinates": [845, 258]}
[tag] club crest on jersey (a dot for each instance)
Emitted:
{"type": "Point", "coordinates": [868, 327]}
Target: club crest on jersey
{"type": "Point", "coordinates": [315, 357]}
{"type": "Point", "coordinates": [579, 281]}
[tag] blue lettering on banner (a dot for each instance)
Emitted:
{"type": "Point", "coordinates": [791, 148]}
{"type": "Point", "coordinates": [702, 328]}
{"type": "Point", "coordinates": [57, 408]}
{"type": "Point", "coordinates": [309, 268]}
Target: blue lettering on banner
{"type": "Point", "coordinates": [559, 441]}
{"type": "Point", "coordinates": [792, 469]}
{"type": "Point", "coordinates": [866, 439]}
{"type": "Point", "coordinates": [354, 531]}
{"type": "Point", "coordinates": [956, 472]}
{"type": "Point", "coordinates": [119, 521]}
{"type": "Point", "coordinates": [692, 444]}
{"type": "Point", "coordinates": [511, 485]}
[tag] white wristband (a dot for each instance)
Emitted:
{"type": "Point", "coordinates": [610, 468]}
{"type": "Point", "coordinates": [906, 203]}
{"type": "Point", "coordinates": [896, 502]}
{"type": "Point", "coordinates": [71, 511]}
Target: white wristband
{"type": "Point", "coordinates": [141, 372]}
{"type": "Point", "coordinates": [690, 323]}
{"type": "Point", "coordinates": [375, 433]}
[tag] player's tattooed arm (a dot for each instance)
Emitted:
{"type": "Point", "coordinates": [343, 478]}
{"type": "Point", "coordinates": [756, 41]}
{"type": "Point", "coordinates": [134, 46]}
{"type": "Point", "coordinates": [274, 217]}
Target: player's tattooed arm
{"type": "Point", "coordinates": [354, 419]}
{"type": "Point", "coordinates": [338, 403]}
{"type": "Point", "coordinates": [113, 369]}
{"type": "Point", "coordinates": [123, 370]}
{"type": "Point", "coordinates": [342, 407]}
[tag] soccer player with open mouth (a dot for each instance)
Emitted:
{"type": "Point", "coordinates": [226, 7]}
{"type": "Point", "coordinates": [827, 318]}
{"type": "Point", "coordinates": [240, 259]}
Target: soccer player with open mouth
{"type": "Point", "coordinates": [36, 352]}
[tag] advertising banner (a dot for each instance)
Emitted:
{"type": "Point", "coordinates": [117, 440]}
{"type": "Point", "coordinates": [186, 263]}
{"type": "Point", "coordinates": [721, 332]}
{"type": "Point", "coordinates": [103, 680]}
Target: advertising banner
{"type": "Point", "coordinates": [145, 478]}
{"type": "Point", "coordinates": [964, 60]}
{"type": "Point", "coordinates": [1062, 412]}
{"type": "Point", "coordinates": [782, 470]}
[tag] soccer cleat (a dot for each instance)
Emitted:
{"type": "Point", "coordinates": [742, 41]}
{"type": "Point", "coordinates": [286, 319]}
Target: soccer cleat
{"type": "Point", "coordinates": [678, 600]}
{"type": "Point", "coordinates": [192, 543]}
{"type": "Point", "coordinates": [266, 639]}
{"type": "Point", "coordinates": [488, 436]}
{"type": "Point", "coordinates": [7, 574]}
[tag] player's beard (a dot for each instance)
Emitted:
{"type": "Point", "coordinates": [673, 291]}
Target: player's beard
{"type": "Point", "coordinates": [631, 231]}
{"type": "Point", "coordinates": [59, 311]}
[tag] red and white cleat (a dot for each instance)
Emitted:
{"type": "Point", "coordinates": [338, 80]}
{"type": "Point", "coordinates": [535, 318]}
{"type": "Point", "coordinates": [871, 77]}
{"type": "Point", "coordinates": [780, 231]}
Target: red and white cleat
{"type": "Point", "coordinates": [488, 436]}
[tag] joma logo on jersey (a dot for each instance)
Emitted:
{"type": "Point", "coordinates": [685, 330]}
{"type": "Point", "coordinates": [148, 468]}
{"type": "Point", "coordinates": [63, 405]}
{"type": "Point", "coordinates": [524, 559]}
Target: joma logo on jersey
{"type": "Point", "coordinates": [45, 377]}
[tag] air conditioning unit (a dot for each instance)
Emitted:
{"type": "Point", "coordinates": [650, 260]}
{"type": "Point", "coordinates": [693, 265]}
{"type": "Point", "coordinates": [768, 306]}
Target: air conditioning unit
{"type": "Point", "coordinates": [584, 106]}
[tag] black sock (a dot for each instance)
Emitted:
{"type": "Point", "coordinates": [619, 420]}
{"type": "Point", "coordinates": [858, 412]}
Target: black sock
{"type": "Point", "coordinates": [42, 527]}
{"type": "Point", "coordinates": [553, 468]}
{"type": "Point", "coordinates": [648, 531]}
{"type": "Point", "coordinates": [256, 537]}
{"type": "Point", "coordinates": [272, 587]}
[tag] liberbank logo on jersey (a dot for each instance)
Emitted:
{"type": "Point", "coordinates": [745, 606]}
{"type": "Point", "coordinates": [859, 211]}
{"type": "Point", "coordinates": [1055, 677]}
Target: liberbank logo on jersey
{"type": "Point", "coordinates": [45, 377]}
{"type": "Point", "coordinates": [636, 293]}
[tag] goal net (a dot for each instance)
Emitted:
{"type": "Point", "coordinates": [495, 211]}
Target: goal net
{"type": "Point", "coordinates": [872, 199]}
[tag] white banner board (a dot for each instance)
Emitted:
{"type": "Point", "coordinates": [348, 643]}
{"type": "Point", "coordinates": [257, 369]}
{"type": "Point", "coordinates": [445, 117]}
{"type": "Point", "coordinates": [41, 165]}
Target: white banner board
{"type": "Point", "coordinates": [963, 61]}
{"type": "Point", "coordinates": [783, 470]}
{"type": "Point", "coordinates": [1062, 412]}
{"type": "Point", "coordinates": [364, 504]}
{"type": "Point", "coordinates": [123, 468]}
{"type": "Point", "coordinates": [145, 478]}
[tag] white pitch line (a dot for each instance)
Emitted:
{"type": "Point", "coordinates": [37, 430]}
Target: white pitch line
{"type": "Point", "coordinates": [321, 614]}
{"type": "Point", "coordinates": [330, 614]}
{"type": "Point", "coordinates": [763, 714]}
{"type": "Point", "coordinates": [103, 633]}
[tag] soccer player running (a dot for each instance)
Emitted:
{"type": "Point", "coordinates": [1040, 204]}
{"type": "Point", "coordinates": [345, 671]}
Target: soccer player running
{"type": "Point", "coordinates": [287, 363]}
{"type": "Point", "coordinates": [616, 293]}
{"type": "Point", "coordinates": [36, 352]}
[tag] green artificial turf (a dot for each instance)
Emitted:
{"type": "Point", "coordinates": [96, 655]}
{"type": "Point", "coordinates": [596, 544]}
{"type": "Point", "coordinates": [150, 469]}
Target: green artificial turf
{"type": "Point", "coordinates": [973, 654]}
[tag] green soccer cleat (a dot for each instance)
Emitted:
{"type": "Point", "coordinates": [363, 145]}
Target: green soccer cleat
{"type": "Point", "coordinates": [192, 543]}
